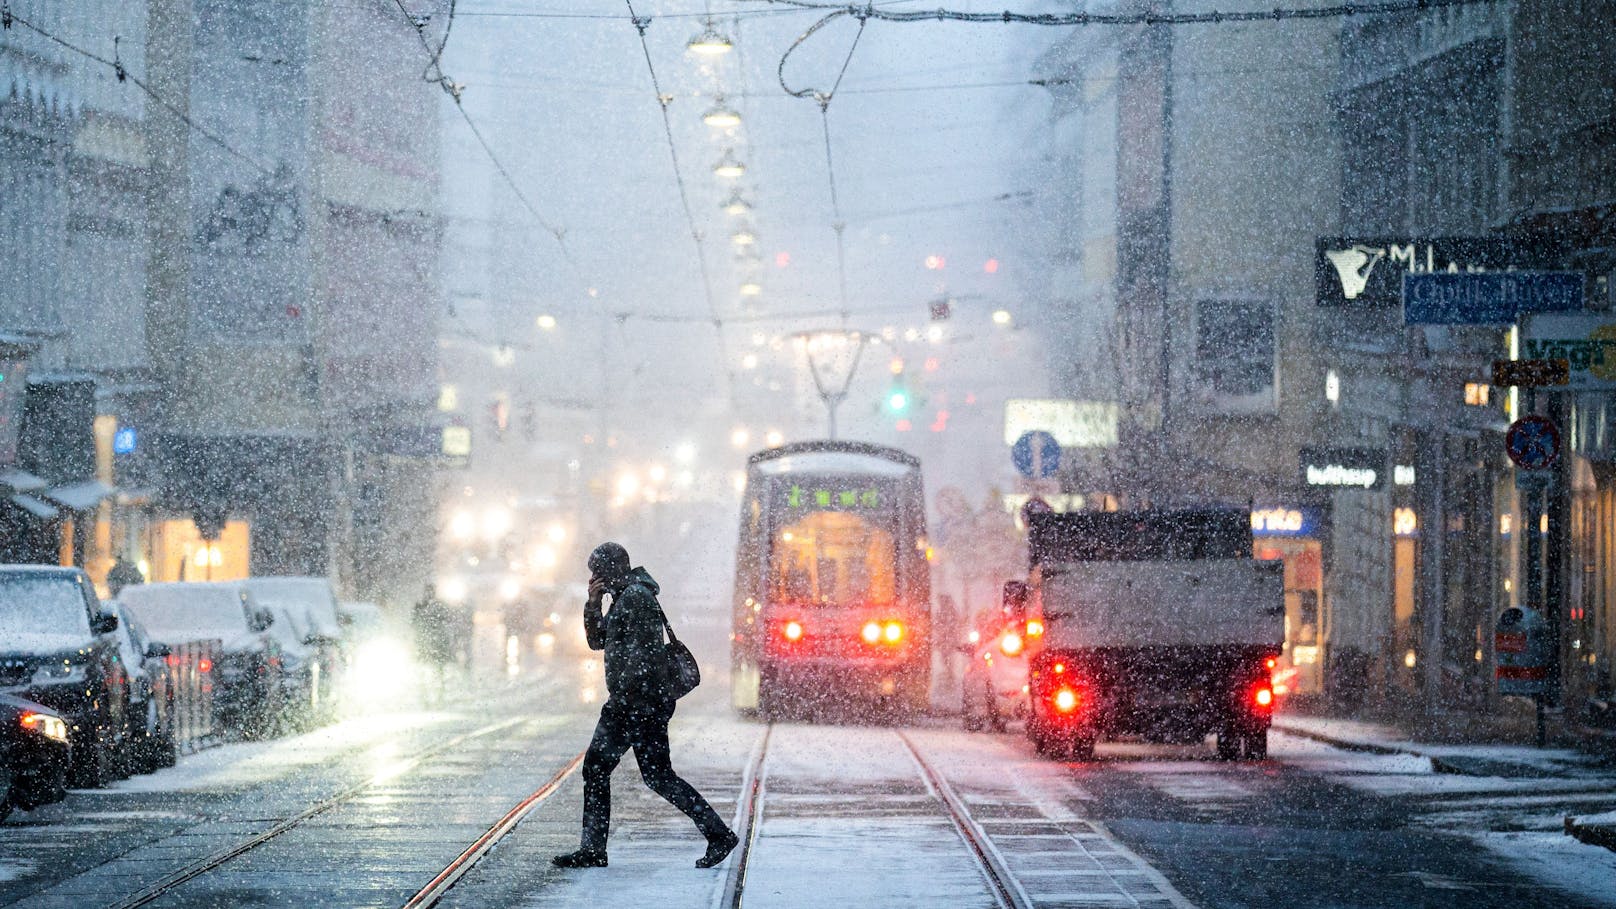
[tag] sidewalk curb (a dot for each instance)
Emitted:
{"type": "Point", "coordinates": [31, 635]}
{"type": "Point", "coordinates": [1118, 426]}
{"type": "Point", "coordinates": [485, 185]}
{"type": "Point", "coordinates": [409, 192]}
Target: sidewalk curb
{"type": "Point", "coordinates": [1438, 765]}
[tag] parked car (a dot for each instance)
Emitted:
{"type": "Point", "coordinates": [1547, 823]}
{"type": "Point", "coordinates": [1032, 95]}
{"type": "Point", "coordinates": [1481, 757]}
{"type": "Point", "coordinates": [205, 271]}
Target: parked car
{"type": "Point", "coordinates": [57, 649]}
{"type": "Point", "coordinates": [300, 665]}
{"type": "Point", "coordinates": [148, 720]}
{"type": "Point", "coordinates": [248, 686]}
{"type": "Point", "coordinates": [361, 622]}
{"type": "Point", "coordinates": [35, 755]}
{"type": "Point", "coordinates": [312, 600]}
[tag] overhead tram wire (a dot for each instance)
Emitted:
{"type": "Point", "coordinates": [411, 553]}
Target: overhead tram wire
{"type": "Point", "coordinates": [9, 18]}
{"type": "Point", "coordinates": [1211, 17]}
{"type": "Point", "coordinates": [434, 74]}
{"type": "Point", "coordinates": [663, 100]}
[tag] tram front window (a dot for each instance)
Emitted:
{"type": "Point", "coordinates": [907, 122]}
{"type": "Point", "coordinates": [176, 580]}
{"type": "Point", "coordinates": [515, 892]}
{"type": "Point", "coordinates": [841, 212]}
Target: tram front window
{"type": "Point", "coordinates": [833, 558]}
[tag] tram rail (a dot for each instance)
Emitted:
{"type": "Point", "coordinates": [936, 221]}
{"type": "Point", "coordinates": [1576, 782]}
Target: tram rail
{"type": "Point", "coordinates": [749, 816]}
{"type": "Point", "coordinates": [179, 876]}
{"type": "Point", "coordinates": [1006, 889]}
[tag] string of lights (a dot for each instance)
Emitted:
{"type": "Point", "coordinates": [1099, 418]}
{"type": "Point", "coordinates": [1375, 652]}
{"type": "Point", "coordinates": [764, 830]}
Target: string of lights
{"type": "Point", "coordinates": [663, 100]}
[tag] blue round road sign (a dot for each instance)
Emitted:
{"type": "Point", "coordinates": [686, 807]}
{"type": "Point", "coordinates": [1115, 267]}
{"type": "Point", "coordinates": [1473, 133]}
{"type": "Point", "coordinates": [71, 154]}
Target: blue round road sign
{"type": "Point", "coordinates": [1533, 442]}
{"type": "Point", "coordinates": [1036, 454]}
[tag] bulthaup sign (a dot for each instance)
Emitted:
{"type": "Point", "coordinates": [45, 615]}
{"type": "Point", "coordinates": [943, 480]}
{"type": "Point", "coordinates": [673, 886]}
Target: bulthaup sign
{"type": "Point", "coordinates": [1349, 468]}
{"type": "Point", "coordinates": [1487, 298]}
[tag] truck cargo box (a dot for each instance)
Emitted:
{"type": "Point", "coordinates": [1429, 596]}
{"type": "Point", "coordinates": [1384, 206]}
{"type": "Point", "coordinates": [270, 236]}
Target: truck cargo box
{"type": "Point", "coordinates": [1162, 604]}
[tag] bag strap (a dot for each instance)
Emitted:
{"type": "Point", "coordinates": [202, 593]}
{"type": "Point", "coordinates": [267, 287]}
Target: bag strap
{"type": "Point", "coordinates": [665, 623]}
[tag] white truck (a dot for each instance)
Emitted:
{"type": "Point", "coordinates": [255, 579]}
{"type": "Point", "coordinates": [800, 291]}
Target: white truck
{"type": "Point", "coordinates": [1156, 623]}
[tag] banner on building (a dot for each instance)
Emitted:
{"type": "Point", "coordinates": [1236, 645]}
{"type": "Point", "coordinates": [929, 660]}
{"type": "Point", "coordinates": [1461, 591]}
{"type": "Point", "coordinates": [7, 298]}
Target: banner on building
{"type": "Point", "coordinates": [1586, 341]}
{"type": "Point", "coordinates": [1367, 272]}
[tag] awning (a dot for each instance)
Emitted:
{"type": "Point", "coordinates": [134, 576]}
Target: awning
{"type": "Point", "coordinates": [85, 495]}
{"type": "Point", "coordinates": [20, 480]}
{"type": "Point", "coordinates": [35, 507]}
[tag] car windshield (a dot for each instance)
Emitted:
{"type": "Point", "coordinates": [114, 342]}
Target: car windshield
{"type": "Point", "coordinates": [41, 604]}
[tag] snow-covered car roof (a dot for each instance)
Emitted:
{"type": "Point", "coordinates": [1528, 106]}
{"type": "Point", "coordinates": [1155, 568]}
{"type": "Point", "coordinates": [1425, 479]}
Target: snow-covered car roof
{"type": "Point", "coordinates": [189, 611]}
{"type": "Point", "coordinates": [313, 596]}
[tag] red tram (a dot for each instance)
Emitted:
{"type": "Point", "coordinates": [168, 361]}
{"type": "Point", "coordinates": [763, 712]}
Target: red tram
{"type": "Point", "coordinates": [832, 580]}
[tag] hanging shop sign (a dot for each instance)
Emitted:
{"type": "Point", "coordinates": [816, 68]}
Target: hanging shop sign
{"type": "Point", "coordinates": [1347, 468]}
{"type": "Point", "coordinates": [1488, 298]}
{"type": "Point", "coordinates": [1531, 373]}
{"type": "Point", "coordinates": [1367, 272]}
{"type": "Point", "coordinates": [1585, 341]}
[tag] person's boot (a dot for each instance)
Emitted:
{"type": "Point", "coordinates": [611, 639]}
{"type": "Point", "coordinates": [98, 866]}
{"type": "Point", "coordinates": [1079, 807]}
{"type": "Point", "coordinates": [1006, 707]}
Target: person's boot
{"type": "Point", "coordinates": [582, 858]}
{"type": "Point", "coordinates": [718, 849]}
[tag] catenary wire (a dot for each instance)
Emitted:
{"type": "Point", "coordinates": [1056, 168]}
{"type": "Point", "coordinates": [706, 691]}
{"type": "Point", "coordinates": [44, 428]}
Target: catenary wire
{"type": "Point", "coordinates": [663, 100]}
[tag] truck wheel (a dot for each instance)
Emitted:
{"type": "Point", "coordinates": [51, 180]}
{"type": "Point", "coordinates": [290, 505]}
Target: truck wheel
{"type": "Point", "coordinates": [1082, 749]}
{"type": "Point", "coordinates": [1256, 746]}
{"type": "Point", "coordinates": [1229, 745]}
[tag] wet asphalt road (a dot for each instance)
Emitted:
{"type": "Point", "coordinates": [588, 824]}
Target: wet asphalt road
{"type": "Point", "coordinates": [847, 818]}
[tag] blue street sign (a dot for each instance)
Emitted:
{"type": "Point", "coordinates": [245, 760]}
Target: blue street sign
{"type": "Point", "coordinates": [1036, 455]}
{"type": "Point", "coordinates": [1532, 442]}
{"type": "Point", "coordinates": [1488, 297]}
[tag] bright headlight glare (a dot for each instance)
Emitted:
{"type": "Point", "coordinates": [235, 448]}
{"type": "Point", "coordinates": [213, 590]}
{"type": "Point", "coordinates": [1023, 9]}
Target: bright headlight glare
{"type": "Point", "coordinates": [51, 727]}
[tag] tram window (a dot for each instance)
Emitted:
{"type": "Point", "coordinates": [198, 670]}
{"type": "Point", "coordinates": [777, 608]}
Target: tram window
{"type": "Point", "coordinates": [833, 558]}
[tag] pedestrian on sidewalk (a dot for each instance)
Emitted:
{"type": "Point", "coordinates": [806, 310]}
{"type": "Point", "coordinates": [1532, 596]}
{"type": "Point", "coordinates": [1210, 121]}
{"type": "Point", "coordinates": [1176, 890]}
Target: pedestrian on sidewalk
{"type": "Point", "coordinates": [638, 706]}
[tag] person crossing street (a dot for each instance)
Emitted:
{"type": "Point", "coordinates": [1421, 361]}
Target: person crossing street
{"type": "Point", "coordinates": [639, 705]}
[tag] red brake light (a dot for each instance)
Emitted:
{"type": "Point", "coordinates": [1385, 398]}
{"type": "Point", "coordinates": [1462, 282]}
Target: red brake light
{"type": "Point", "coordinates": [1060, 668]}
{"type": "Point", "coordinates": [1264, 696]}
{"type": "Point", "coordinates": [1066, 700]}
{"type": "Point", "coordinates": [1271, 663]}
{"type": "Point", "coordinates": [204, 665]}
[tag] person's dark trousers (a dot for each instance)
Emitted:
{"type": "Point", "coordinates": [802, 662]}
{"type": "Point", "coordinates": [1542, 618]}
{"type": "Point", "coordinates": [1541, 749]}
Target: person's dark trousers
{"type": "Point", "coordinates": [644, 729]}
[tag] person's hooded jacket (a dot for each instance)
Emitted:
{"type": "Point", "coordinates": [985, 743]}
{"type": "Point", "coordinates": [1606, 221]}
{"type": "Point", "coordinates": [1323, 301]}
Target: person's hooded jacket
{"type": "Point", "coordinates": [631, 635]}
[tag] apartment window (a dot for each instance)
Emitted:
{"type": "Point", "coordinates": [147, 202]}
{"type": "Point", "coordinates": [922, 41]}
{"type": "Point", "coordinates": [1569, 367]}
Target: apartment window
{"type": "Point", "coordinates": [1234, 354]}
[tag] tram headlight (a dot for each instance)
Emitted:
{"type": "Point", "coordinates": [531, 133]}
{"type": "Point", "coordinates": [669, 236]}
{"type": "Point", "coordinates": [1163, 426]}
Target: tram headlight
{"type": "Point", "coordinates": [792, 631]}
{"type": "Point", "coordinates": [893, 632]}
{"type": "Point", "coordinates": [1035, 628]}
{"type": "Point", "coordinates": [872, 632]}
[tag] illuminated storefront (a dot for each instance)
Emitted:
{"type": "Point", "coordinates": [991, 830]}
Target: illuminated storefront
{"type": "Point", "coordinates": [1290, 534]}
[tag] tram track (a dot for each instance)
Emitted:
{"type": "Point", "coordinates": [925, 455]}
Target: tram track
{"type": "Point", "coordinates": [188, 872]}
{"type": "Point", "coordinates": [748, 817]}
{"type": "Point", "coordinates": [443, 881]}
{"type": "Point", "coordinates": [1006, 890]}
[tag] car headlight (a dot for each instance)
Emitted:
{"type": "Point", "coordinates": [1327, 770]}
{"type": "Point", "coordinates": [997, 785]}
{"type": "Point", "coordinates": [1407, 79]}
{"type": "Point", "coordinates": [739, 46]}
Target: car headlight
{"type": "Point", "coordinates": [51, 727]}
{"type": "Point", "coordinates": [62, 673]}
